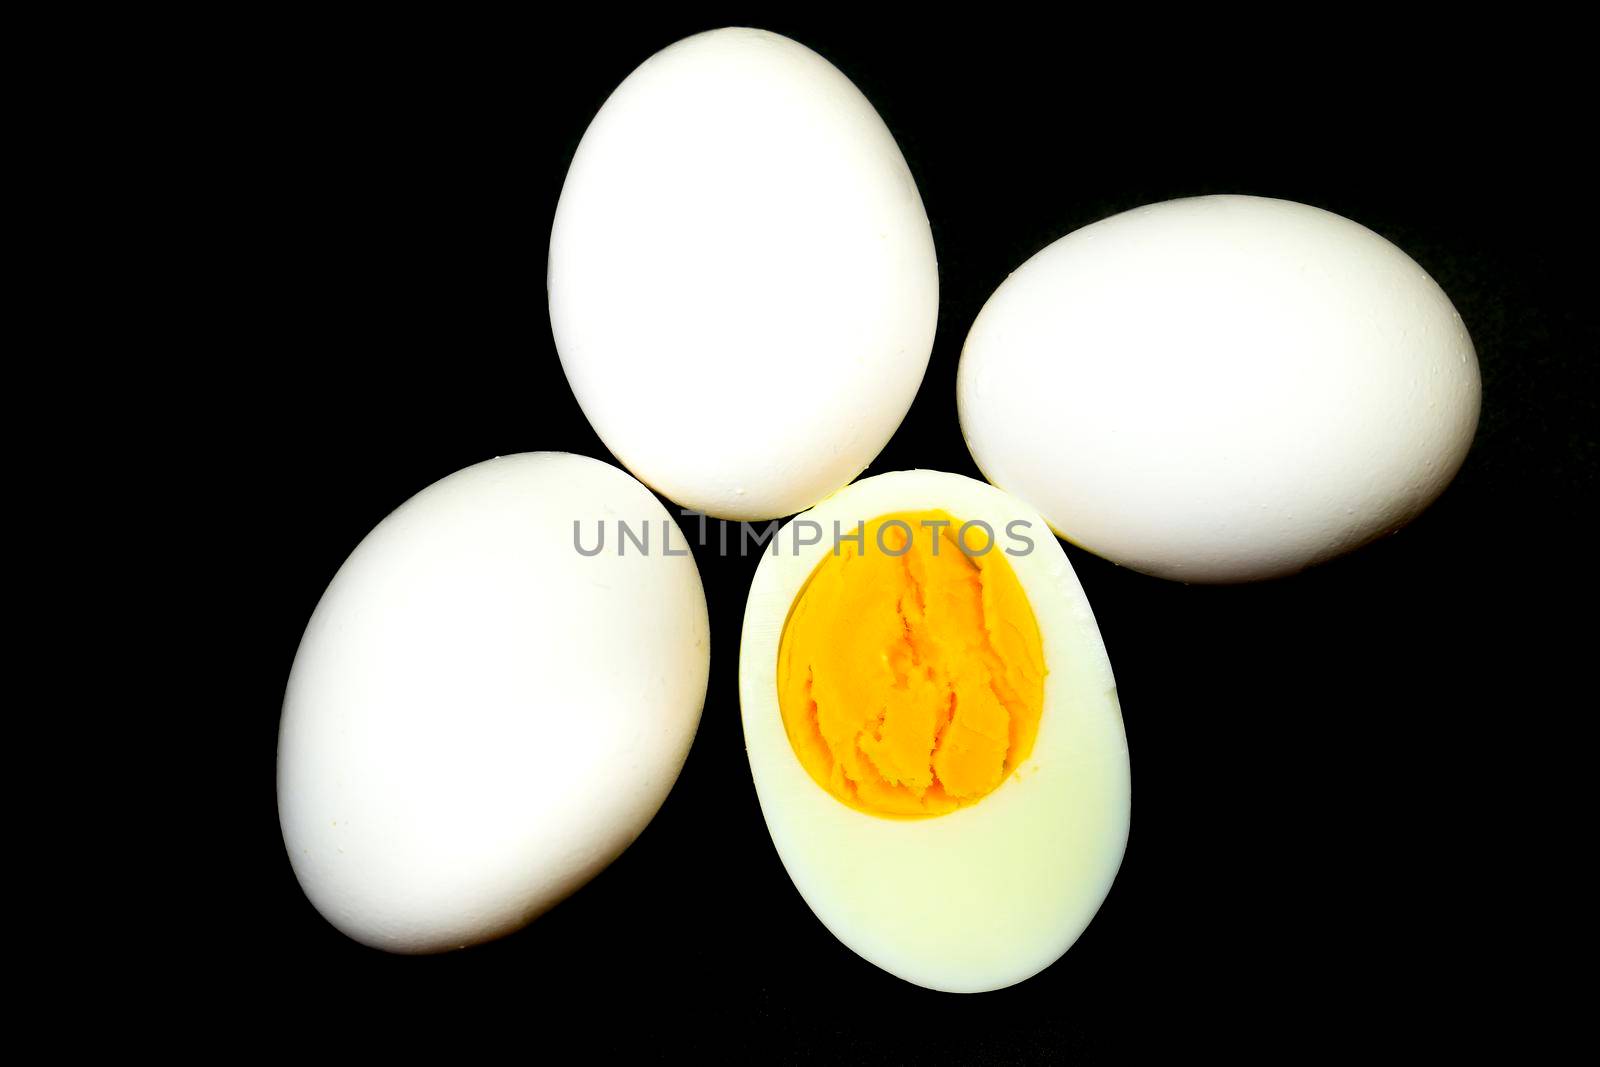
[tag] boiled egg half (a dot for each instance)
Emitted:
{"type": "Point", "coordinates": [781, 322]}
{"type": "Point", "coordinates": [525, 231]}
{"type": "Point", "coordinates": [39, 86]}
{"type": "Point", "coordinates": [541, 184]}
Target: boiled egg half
{"type": "Point", "coordinates": [933, 729]}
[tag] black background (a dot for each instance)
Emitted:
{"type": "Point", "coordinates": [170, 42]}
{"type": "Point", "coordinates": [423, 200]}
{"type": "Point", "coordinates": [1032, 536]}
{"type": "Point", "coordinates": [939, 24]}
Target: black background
{"type": "Point", "coordinates": [1322, 828]}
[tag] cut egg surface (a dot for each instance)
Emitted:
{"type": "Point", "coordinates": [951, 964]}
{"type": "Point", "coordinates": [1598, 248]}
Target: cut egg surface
{"type": "Point", "coordinates": [933, 729]}
{"type": "Point", "coordinates": [935, 696]}
{"type": "Point", "coordinates": [480, 716]}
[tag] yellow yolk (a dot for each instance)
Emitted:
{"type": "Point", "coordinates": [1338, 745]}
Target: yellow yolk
{"type": "Point", "coordinates": [911, 676]}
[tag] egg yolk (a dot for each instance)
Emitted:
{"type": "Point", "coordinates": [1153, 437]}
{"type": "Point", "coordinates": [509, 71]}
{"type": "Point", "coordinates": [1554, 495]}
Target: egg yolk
{"type": "Point", "coordinates": [910, 671]}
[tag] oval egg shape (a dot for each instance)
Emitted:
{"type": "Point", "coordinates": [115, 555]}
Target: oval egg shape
{"type": "Point", "coordinates": [742, 281]}
{"type": "Point", "coordinates": [949, 876]}
{"type": "Point", "coordinates": [484, 711]}
{"type": "Point", "coordinates": [1220, 389]}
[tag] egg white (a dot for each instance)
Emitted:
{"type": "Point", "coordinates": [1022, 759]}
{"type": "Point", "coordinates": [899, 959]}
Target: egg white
{"type": "Point", "coordinates": [990, 894]}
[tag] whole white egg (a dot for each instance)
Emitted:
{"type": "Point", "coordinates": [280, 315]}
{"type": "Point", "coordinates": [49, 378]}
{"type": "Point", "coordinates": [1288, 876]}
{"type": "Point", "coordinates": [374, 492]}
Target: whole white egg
{"type": "Point", "coordinates": [742, 280]}
{"type": "Point", "coordinates": [481, 716]}
{"type": "Point", "coordinates": [1220, 389]}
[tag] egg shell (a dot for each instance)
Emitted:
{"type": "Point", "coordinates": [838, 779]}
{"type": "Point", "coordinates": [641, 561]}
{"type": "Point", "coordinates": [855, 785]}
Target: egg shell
{"type": "Point", "coordinates": [480, 718]}
{"type": "Point", "coordinates": [990, 894]}
{"type": "Point", "coordinates": [1221, 388]}
{"type": "Point", "coordinates": [742, 282]}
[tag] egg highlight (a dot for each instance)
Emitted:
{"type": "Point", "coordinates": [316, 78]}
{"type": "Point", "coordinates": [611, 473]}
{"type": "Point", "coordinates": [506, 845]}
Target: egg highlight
{"type": "Point", "coordinates": [486, 708]}
{"type": "Point", "coordinates": [742, 282]}
{"type": "Point", "coordinates": [1220, 389]}
{"type": "Point", "coordinates": [933, 729]}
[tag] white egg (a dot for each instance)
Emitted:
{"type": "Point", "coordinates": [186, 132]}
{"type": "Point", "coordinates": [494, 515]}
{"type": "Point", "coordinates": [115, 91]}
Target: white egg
{"type": "Point", "coordinates": [1220, 389]}
{"type": "Point", "coordinates": [987, 894]}
{"type": "Point", "coordinates": [480, 717]}
{"type": "Point", "coordinates": [742, 281]}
